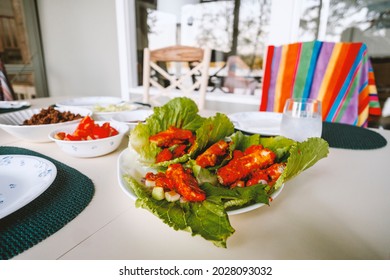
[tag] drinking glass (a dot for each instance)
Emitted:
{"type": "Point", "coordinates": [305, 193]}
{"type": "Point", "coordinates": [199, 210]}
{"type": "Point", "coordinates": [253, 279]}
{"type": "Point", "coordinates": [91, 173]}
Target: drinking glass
{"type": "Point", "coordinates": [302, 118]}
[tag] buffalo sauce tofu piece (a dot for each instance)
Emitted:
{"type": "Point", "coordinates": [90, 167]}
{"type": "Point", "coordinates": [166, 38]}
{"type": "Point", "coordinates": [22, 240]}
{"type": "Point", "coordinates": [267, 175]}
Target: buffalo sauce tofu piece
{"type": "Point", "coordinates": [274, 172]}
{"type": "Point", "coordinates": [164, 155]}
{"type": "Point", "coordinates": [185, 183]}
{"type": "Point", "coordinates": [178, 179]}
{"type": "Point", "coordinates": [172, 136]}
{"type": "Point", "coordinates": [174, 142]}
{"type": "Point", "coordinates": [160, 180]}
{"type": "Point", "coordinates": [213, 154]}
{"type": "Point", "coordinates": [168, 154]}
{"type": "Point", "coordinates": [266, 176]}
{"type": "Point", "coordinates": [240, 167]}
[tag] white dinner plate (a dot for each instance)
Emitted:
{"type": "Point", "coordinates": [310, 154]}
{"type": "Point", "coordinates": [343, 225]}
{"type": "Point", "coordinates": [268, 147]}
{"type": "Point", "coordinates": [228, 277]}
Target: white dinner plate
{"type": "Point", "coordinates": [263, 123]}
{"type": "Point", "coordinates": [133, 118]}
{"type": "Point", "coordinates": [13, 104]}
{"type": "Point", "coordinates": [128, 165]}
{"type": "Point", "coordinates": [91, 101]}
{"type": "Point", "coordinates": [22, 179]}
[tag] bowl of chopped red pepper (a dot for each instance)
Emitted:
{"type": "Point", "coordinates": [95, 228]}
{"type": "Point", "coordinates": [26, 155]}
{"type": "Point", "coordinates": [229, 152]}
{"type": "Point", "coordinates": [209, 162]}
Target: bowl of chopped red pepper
{"type": "Point", "coordinates": [33, 125]}
{"type": "Point", "coordinates": [90, 138]}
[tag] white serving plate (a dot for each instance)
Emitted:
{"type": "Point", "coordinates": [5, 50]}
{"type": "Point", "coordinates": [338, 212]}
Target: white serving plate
{"type": "Point", "coordinates": [13, 104]}
{"type": "Point", "coordinates": [22, 179]}
{"type": "Point", "coordinates": [128, 165]}
{"type": "Point", "coordinates": [91, 101]}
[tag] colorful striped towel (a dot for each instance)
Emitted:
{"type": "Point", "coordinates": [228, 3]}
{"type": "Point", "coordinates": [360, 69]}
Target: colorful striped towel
{"type": "Point", "coordinates": [338, 74]}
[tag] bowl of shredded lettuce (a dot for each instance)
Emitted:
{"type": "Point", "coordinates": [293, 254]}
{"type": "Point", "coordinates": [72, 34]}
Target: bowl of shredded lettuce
{"type": "Point", "coordinates": [107, 112]}
{"type": "Point", "coordinates": [132, 118]}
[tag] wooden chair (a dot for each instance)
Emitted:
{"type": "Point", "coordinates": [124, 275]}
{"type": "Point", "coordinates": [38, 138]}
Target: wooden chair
{"type": "Point", "coordinates": [234, 80]}
{"type": "Point", "coordinates": [198, 60]}
{"type": "Point", "coordinates": [338, 74]}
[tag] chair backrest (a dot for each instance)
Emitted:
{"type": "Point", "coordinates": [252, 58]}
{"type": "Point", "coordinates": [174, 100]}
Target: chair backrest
{"type": "Point", "coordinates": [235, 79]}
{"type": "Point", "coordinates": [177, 54]}
{"type": "Point", "coordinates": [338, 74]}
{"type": "Point", "coordinates": [6, 91]}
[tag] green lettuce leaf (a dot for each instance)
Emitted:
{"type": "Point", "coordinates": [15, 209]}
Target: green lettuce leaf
{"type": "Point", "coordinates": [303, 155]}
{"type": "Point", "coordinates": [237, 197]}
{"type": "Point", "coordinates": [212, 130]}
{"type": "Point", "coordinates": [207, 218]}
{"type": "Point", "coordinates": [179, 112]}
{"type": "Point", "coordinates": [202, 175]}
{"type": "Point", "coordinates": [279, 145]}
{"type": "Point", "coordinates": [241, 141]}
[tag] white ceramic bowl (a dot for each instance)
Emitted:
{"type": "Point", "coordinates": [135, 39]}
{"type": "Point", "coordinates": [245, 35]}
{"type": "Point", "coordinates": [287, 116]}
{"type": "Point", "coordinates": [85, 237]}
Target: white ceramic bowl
{"type": "Point", "coordinates": [90, 101]}
{"type": "Point", "coordinates": [13, 123]}
{"type": "Point", "coordinates": [106, 113]}
{"type": "Point", "coordinates": [90, 148]}
{"type": "Point", "coordinates": [132, 118]}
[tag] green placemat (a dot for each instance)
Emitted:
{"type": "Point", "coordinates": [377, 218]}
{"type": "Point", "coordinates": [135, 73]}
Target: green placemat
{"type": "Point", "coordinates": [69, 194]}
{"type": "Point", "coordinates": [351, 137]}
{"type": "Point", "coordinates": [10, 110]}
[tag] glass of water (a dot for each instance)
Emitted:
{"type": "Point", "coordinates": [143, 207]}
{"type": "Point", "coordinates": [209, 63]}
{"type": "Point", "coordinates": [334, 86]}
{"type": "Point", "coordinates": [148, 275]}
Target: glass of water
{"type": "Point", "coordinates": [302, 119]}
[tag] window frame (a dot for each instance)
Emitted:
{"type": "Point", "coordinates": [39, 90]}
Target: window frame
{"type": "Point", "coordinates": [37, 66]}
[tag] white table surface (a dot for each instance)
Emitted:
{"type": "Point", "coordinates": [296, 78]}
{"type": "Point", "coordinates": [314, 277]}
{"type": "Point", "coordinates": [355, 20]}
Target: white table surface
{"type": "Point", "coordinates": [337, 209]}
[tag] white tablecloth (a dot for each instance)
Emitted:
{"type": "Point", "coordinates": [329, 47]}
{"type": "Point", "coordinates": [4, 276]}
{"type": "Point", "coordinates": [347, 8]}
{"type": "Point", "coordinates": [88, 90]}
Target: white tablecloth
{"type": "Point", "coordinates": [338, 209]}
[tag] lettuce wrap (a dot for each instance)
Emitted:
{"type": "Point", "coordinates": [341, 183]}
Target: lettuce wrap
{"type": "Point", "coordinates": [209, 218]}
{"type": "Point", "coordinates": [180, 113]}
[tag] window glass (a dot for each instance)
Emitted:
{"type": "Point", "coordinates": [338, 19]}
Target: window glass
{"type": "Point", "coordinates": [366, 21]}
{"type": "Point", "coordinates": [13, 45]}
{"type": "Point", "coordinates": [344, 20]}
{"type": "Point", "coordinates": [347, 15]}
{"type": "Point", "coordinates": [236, 31]}
{"type": "Point", "coordinates": [309, 22]}
{"type": "Point", "coordinates": [15, 49]}
{"type": "Point", "coordinates": [162, 29]}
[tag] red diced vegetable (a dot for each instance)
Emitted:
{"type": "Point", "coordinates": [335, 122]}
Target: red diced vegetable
{"type": "Point", "coordinates": [164, 155]}
{"type": "Point", "coordinates": [60, 135]}
{"type": "Point", "coordinates": [88, 130]}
